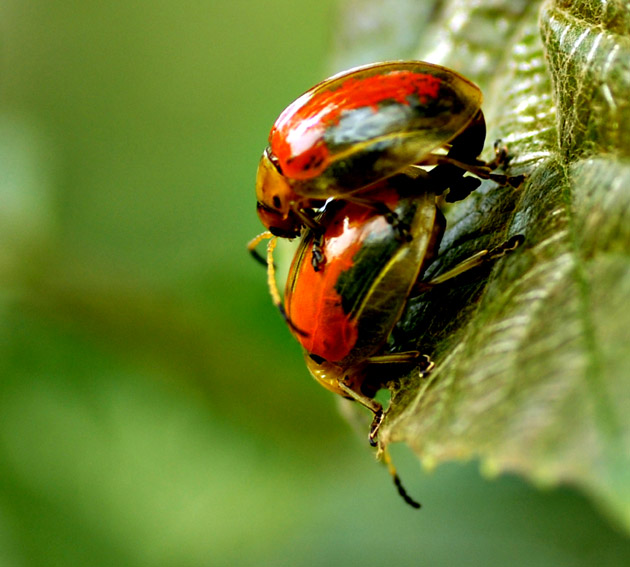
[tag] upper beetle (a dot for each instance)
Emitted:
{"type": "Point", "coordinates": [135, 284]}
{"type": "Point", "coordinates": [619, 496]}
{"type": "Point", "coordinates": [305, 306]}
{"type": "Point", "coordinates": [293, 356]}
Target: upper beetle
{"type": "Point", "coordinates": [363, 125]}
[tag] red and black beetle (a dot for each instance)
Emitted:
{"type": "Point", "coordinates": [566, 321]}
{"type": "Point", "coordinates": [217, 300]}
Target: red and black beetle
{"type": "Point", "coordinates": [343, 313]}
{"type": "Point", "coordinates": [361, 126]}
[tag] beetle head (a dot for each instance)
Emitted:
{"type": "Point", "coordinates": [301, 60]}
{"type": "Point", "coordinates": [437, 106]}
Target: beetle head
{"type": "Point", "coordinates": [276, 199]}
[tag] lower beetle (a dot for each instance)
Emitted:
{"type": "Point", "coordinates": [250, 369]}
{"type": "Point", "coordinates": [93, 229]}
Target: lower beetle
{"type": "Point", "coordinates": [343, 314]}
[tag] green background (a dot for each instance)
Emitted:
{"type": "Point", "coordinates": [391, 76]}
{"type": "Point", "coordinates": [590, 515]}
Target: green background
{"type": "Point", "coordinates": [154, 409]}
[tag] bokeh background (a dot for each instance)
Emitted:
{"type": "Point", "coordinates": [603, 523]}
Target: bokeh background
{"type": "Point", "coordinates": [154, 409]}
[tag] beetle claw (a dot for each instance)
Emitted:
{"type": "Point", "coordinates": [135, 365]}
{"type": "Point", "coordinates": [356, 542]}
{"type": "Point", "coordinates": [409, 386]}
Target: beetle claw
{"type": "Point", "coordinates": [502, 158]}
{"type": "Point", "coordinates": [318, 257]}
{"type": "Point", "coordinates": [501, 155]}
{"type": "Point", "coordinates": [375, 427]}
{"type": "Point", "coordinates": [508, 246]}
{"type": "Point", "coordinates": [402, 229]}
{"type": "Point", "coordinates": [426, 366]}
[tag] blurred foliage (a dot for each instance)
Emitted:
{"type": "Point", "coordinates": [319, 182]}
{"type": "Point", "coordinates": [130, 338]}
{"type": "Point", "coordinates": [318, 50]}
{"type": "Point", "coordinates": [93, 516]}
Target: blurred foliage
{"type": "Point", "coordinates": [155, 411]}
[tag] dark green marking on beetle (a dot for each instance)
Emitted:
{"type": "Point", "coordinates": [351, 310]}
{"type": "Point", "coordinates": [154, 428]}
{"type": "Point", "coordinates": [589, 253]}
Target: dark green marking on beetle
{"type": "Point", "coordinates": [376, 251]}
{"type": "Point", "coordinates": [376, 131]}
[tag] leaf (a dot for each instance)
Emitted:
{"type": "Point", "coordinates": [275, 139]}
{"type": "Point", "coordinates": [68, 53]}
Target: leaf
{"type": "Point", "coordinates": [533, 354]}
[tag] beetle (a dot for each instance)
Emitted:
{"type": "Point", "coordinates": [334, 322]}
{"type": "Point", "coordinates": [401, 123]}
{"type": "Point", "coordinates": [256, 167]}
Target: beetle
{"type": "Point", "coordinates": [346, 311]}
{"type": "Point", "coordinates": [343, 313]}
{"type": "Point", "coordinates": [351, 131]}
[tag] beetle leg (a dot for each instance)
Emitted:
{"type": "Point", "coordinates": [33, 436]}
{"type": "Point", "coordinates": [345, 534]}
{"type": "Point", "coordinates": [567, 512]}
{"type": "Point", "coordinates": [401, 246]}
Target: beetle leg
{"type": "Point", "coordinates": [306, 216]}
{"type": "Point", "coordinates": [483, 170]}
{"type": "Point", "coordinates": [479, 259]}
{"type": "Point", "coordinates": [369, 403]}
{"type": "Point", "coordinates": [375, 427]}
{"type": "Point", "coordinates": [375, 407]}
{"type": "Point", "coordinates": [501, 155]}
{"type": "Point", "coordinates": [394, 357]}
{"type": "Point", "coordinates": [318, 259]}
{"type": "Point", "coordinates": [425, 366]}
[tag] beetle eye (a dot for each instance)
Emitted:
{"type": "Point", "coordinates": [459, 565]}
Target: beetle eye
{"type": "Point", "coordinates": [277, 203]}
{"type": "Point", "coordinates": [316, 358]}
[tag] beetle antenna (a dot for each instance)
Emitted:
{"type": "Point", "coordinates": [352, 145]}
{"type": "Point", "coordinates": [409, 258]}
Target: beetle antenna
{"type": "Point", "coordinates": [399, 486]}
{"type": "Point", "coordinates": [254, 242]}
{"type": "Point", "coordinates": [273, 286]}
